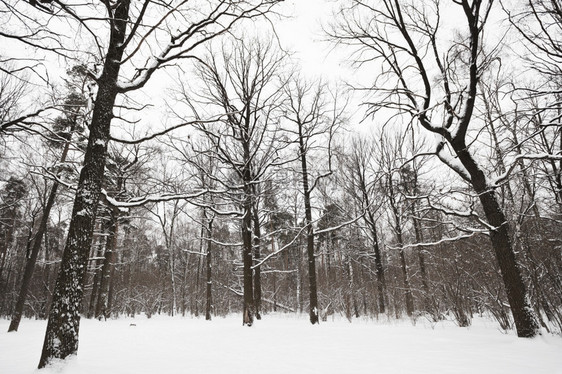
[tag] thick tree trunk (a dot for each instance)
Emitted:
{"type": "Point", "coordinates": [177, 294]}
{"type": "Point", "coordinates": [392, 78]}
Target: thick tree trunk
{"type": "Point", "coordinates": [523, 315]}
{"type": "Point", "coordinates": [247, 256]}
{"type": "Point", "coordinates": [61, 337]}
{"type": "Point", "coordinates": [311, 258]}
{"type": "Point", "coordinates": [248, 308]}
{"type": "Point", "coordinates": [524, 318]}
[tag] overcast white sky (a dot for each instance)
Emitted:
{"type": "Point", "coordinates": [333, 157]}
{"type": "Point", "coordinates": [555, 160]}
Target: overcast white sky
{"type": "Point", "coordinates": [303, 33]}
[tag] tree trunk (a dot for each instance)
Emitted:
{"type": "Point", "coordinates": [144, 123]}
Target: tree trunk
{"type": "Point", "coordinates": [351, 285]}
{"type": "Point", "coordinates": [106, 271]}
{"type": "Point", "coordinates": [209, 298]}
{"type": "Point", "coordinates": [8, 241]}
{"type": "Point", "coordinates": [248, 308]}
{"type": "Point", "coordinates": [172, 268]}
{"type": "Point", "coordinates": [61, 337]}
{"type": "Point", "coordinates": [298, 280]}
{"type": "Point", "coordinates": [184, 285]}
{"type": "Point", "coordinates": [524, 318]}
{"type": "Point", "coordinates": [257, 270]}
{"type": "Point", "coordinates": [403, 265]}
{"type": "Point", "coordinates": [195, 295]}
{"type": "Point", "coordinates": [247, 256]}
{"type": "Point", "coordinates": [381, 281]}
{"type": "Point", "coordinates": [421, 257]}
{"type": "Point", "coordinates": [405, 278]}
{"type": "Point", "coordinates": [96, 281]}
{"type": "Point", "coordinates": [31, 260]}
{"type": "Point", "coordinates": [311, 258]}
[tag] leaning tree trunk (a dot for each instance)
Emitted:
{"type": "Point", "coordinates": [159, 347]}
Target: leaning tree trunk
{"type": "Point", "coordinates": [523, 316]}
{"type": "Point", "coordinates": [31, 260]}
{"type": "Point", "coordinates": [61, 337]}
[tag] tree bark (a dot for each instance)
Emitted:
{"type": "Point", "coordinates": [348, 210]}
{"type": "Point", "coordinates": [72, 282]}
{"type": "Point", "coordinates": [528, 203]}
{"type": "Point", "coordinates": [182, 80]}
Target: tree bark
{"type": "Point", "coordinates": [31, 260]}
{"type": "Point", "coordinates": [400, 240]}
{"type": "Point", "coordinates": [381, 281]}
{"type": "Point", "coordinates": [96, 281]}
{"type": "Point", "coordinates": [371, 222]}
{"type": "Point", "coordinates": [209, 298]}
{"type": "Point", "coordinates": [405, 278]}
{"type": "Point", "coordinates": [102, 304]}
{"type": "Point", "coordinates": [248, 307]}
{"type": "Point", "coordinates": [61, 337]}
{"type": "Point", "coordinates": [257, 270]}
{"type": "Point", "coordinates": [172, 268]}
{"type": "Point", "coordinates": [311, 258]}
{"type": "Point", "coordinates": [418, 230]}
{"type": "Point", "coordinates": [523, 316]}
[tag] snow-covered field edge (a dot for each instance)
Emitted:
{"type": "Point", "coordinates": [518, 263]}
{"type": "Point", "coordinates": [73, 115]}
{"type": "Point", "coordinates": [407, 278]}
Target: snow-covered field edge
{"type": "Point", "coordinates": [282, 343]}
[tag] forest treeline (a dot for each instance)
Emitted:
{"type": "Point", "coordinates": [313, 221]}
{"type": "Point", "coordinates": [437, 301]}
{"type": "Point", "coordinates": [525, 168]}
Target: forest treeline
{"type": "Point", "coordinates": [428, 186]}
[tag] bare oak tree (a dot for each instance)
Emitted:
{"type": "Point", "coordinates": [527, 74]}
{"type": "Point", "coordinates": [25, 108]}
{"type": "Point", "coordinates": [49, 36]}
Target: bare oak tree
{"type": "Point", "coordinates": [405, 39]}
{"type": "Point", "coordinates": [312, 118]}
{"type": "Point", "coordinates": [242, 82]}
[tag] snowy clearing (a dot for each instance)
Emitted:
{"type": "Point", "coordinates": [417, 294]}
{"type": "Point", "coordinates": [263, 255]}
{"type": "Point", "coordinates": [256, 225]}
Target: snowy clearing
{"type": "Point", "coordinates": [283, 344]}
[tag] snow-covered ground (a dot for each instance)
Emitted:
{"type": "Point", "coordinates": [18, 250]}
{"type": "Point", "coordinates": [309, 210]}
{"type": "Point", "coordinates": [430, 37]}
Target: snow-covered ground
{"type": "Point", "coordinates": [283, 344]}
